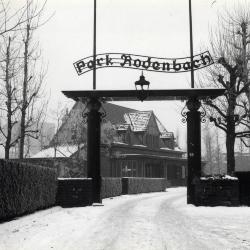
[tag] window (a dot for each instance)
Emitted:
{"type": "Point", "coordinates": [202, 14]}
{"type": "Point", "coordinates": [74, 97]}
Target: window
{"type": "Point", "coordinates": [134, 168]}
{"type": "Point", "coordinates": [183, 172]}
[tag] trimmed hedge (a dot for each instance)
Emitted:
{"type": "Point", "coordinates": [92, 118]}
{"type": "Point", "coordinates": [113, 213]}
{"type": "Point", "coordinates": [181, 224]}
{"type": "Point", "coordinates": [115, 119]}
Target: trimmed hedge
{"type": "Point", "coordinates": [217, 192]}
{"type": "Point", "coordinates": [134, 185]}
{"type": "Point", "coordinates": [74, 192]}
{"type": "Point", "coordinates": [25, 188]}
{"type": "Point", "coordinates": [111, 187]}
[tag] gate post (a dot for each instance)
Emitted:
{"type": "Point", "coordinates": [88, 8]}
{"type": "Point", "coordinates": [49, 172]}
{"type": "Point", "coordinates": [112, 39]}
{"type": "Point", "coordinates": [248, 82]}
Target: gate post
{"type": "Point", "coordinates": [93, 147]}
{"type": "Point", "coordinates": [193, 147]}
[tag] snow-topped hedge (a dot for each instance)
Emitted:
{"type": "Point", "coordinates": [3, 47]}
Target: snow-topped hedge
{"type": "Point", "coordinates": [219, 177]}
{"type": "Point", "coordinates": [25, 188]}
{"type": "Point", "coordinates": [217, 191]}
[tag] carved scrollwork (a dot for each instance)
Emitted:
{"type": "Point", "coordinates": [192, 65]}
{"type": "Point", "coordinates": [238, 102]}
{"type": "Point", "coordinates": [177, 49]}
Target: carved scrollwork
{"type": "Point", "coordinates": [103, 114]}
{"type": "Point", "coordinates": [203, 114]}
{"type": "Point", "coordinates": [191, 106]}
{"type": "Point", "coordinates": [84, 115]}
{"type": "Point", "coordinates": [184, 114]}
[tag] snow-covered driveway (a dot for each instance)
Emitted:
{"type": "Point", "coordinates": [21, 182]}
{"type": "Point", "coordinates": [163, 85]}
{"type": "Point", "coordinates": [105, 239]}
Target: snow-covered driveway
{"type": "Point", "coordinates": [152, 221]}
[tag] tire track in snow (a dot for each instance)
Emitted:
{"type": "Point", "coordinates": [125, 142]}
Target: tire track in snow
{"type": "Point", "coordinates": [126, 226]}
{"type": "Point", "coordinates": [181, 232]}
{"type": "Point", "coordinates": [153, 221]}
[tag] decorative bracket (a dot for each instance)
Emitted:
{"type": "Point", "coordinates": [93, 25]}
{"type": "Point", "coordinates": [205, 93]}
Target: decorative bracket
{"type": "Point", "coordinates": [85, 112]}
{"type": "Point", "coordinates": [184, 114]}
{"type": "Point", "coordinates": [203, 114]}
{"type": "Point", "coordinates": [192, 105]}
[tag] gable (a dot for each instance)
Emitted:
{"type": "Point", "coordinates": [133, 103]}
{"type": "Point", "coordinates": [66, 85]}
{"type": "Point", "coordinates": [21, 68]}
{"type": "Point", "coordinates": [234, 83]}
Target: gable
{"type": "Point", "coordinates": [164, 133]}
{"type": "Point", "coordinates": [74, 127]}
{"type": "Point", "coordinates": [152, 127]}
{"type": "Point", "coordinates": [138, 121]}
{"type": "Point", "coordinates": [138, 127]}
{"type": "Point", "coordinates": [115, 113]}
{"type": "Point", "coordinates": [72, 123]}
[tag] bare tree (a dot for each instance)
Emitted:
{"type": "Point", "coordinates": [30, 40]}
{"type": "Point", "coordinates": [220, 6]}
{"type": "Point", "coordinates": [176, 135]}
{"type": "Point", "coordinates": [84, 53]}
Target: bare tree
{"type": "Point", "coordinates": [213, 150]}
{"type": "Point", "coordinates": [32, 79]}
{"type": "Point", "coordinates": [9, 66]}
{"type": "Point", "coordinates": [11, 20]}
{"type": "Point", "coordinates": [230, 47]}
{"type": "Point", "coordinates": [21, 91]}
{"type": "Point", "coordinates": [10, 24]}
{"type": "Point", "coordinates": [59, 115]}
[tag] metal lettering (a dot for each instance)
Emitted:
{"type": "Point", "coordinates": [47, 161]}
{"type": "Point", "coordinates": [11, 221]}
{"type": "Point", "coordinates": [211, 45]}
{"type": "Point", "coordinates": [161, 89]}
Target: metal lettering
{"type": "Point", "coordinates": [108, 60]}
{"type": "Point", "coordinates": [126, 59]}
{"type": "Point", "coordinates": [165, 65]}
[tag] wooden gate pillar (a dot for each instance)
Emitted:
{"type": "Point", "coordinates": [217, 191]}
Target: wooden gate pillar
{"type": "Point", "coordinates": [93, 147]}
{"type": "Point", "coordinates": [193, 147]}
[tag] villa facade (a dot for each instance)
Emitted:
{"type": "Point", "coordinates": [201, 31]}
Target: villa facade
{"type": "Point", "coordinates": [133, 143]}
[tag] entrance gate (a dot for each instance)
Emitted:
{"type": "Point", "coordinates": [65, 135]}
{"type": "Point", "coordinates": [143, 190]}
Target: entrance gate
{"type": "Point", "coordinates": [193, 98]}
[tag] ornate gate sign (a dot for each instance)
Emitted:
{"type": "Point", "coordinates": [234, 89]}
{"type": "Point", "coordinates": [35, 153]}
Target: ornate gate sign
{"type": "Point", "coordinates": [94, 99]}
{"type": "Point", "coordinates": [121, 60]}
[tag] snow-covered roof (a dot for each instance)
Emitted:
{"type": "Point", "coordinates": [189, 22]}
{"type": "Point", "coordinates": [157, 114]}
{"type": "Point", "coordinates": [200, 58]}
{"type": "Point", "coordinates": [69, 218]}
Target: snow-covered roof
{"type": "Point", "coordinates": [178, 149]}
{"type": "Point", "coordinates": [164, 134]}
{"type": "Point", "coordinates": [122, 127]}
{"type": "Point", "coordinates": [138, 120]}
{"type": "Point", "coordinates": [145, 155]}
{"type": "Point", "coordinates": [79, 178]}
{"type": "Point", "coordinates": [121, 143]}
{"type": "Point", "coordinates": [166, 148]}
{"type": "Point", "coordinates": [59, 151]}
{"type": "Point", "coordinates": [175, 149]}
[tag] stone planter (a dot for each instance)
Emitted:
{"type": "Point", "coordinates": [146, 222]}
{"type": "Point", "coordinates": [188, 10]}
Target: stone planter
{"type": "Point", "coordinates": [221, 191]}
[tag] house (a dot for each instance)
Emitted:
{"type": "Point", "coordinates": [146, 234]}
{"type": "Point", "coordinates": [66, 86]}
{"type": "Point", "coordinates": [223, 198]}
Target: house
{"type": "Point", "coordinates": [33, 144]}
{"type": "Point", "coordinates": [133, 143]}
{"type": "Point", "coordinates": [242, 162]}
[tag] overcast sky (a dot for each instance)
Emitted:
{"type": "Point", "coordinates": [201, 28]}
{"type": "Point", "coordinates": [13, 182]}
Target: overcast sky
{"type": "Point", "coordinates": [145, 27]}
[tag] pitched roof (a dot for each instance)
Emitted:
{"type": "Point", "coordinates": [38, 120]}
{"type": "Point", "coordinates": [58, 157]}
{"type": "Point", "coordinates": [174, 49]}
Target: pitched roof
{"type": "Point", "coordinates": [138, 120]}
{"type": "Point", "coordinates": [115, 113]}
{"type": "Point", "coordinates": [123, 118]}
{"type": "Point", "coordinates": [164, 133]}
{"type": "Point", "coordinates": [61, 151]}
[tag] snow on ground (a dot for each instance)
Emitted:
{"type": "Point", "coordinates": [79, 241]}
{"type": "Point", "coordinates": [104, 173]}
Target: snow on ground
{"type": "Point", "coordinates": [155, 221]}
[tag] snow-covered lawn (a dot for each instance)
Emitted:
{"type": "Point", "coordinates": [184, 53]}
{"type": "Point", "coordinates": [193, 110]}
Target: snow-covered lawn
{"type": "Point", "coordinates": [152, 221]}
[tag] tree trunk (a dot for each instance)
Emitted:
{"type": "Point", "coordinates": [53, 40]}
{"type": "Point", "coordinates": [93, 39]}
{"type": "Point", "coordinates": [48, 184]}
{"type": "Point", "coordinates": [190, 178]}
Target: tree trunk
{"type": "Point", "coordinates": [245, 60]}
{"type": "Point", "coordinates": [230, 141]}
{"type": "Point", "coordinates": [24, 104]}
{"type": "Point", "coordinates": [230, 154]}
{"type": "Point", "coordinates": [8, 102]}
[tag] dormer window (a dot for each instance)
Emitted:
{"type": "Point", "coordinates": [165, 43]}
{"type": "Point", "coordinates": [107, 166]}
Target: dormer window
{"type": "Point", "coordinates": [122, 136]}
{"type": "Point", "coordinates": [140, 137]}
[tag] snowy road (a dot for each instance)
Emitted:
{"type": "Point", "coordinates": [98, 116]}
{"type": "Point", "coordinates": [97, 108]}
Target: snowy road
{"type": "Point", "coordinates": [154, 221]}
